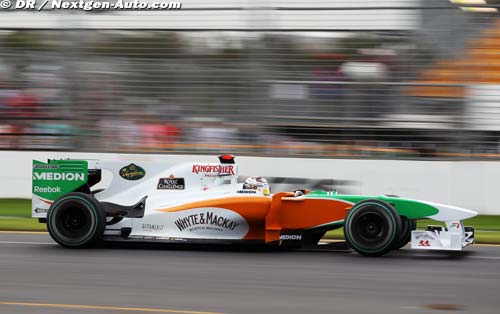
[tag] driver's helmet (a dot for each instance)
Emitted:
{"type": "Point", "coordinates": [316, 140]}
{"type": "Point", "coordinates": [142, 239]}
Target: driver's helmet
{"type": "Point", "coordinates": [257, 183]}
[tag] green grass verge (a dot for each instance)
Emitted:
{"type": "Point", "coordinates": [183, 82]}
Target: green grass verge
{"type": "Point", "coordinates": [21, 224]}
{"type": "Point", "coordinates": [481, 222]}
{"type": "Point", "coordinates": [15, 215]}
{"type": "Point", "coordinates": [15, 207]}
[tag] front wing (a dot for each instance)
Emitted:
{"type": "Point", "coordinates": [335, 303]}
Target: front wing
{"type": "Point", "coordinates": [452, 238]}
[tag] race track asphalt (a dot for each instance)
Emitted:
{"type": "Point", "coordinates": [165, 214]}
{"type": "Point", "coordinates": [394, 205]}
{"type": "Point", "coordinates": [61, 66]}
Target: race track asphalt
{"type": "Point", "coordinates": [38, 276]}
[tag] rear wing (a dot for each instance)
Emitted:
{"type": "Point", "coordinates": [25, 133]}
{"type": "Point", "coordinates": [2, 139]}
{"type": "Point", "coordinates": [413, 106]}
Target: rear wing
{"type": "Point", "coordinates": [53, 179]}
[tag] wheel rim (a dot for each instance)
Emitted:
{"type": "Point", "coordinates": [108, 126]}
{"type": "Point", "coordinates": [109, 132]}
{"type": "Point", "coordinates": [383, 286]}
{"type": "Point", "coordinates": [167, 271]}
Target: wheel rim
{"type": "Point", "coordinates": [73, 222]}
{"type": "Point", "coordinates": [375, 233]}
{"type": "Point", "coordinates": [371, 228]}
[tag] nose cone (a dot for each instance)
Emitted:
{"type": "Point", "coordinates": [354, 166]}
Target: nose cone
{"type": "Point", "coordinates": [449, 212]}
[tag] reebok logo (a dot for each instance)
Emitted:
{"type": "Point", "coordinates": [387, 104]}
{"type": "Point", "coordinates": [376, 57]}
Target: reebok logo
{"type": "Point", "coordinates": [47, 189]}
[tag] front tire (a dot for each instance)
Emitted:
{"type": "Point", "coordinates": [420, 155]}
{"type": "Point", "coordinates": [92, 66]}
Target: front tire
{"type": "Point", "coordinates": [372, 227]}
{"type": "Point", "coordinates": [408, 225]}
{"type": "Point", "coordinates": [76, 220]}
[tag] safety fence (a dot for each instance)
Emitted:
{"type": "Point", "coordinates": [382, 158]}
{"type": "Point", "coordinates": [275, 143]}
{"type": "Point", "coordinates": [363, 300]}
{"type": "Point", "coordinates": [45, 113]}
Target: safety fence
{"type": "Point", "coordinates": [369, 79]}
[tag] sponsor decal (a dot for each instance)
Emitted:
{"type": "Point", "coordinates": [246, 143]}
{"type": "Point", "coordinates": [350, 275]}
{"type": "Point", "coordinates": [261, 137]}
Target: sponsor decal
{"type": "Point", "coordinates": [152, 227]}
{"type": "Point", "coordinates": [205, 221]}
{"type": "Point", "coordinates": [148, 237]}
{"type": "Point", "coordinates": [455, 225]}
{"type": "Point", "coordinates": [47, 189]}
{"type": "Point", "coordinates": [51, 180]}
{"type": "Point", "coordinates": [41, 210]}
{"type": "Point", "coordinates": [171, 183]}
{"type": "Point", "coordinates": [58, 176]}
{"type": "Point", "coordinates": [45, 166]}
{"type": "Point", "coordinates": [424, 243]}
{"type": "Point", "coordinates": [293, 237]}
{"type": "Point", "coordinates": [132, 172]}
{"type": "Point", "coordinates": [424, 236]}
{"type": "Point", "coordinates": [246, 191]}
{"type": "Point", "coordinates": [213, 170]}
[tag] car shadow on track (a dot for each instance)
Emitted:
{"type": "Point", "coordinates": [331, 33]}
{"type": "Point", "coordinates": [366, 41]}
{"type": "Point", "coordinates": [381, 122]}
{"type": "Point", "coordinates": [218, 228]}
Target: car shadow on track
{"type": "Point", "coordinates": [332, 247]}
{"type": "Point", "coordinates": [337, 248]}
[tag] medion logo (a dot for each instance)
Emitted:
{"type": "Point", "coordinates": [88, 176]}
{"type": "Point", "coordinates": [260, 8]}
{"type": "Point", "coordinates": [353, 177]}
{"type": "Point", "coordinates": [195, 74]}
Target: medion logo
{"type": "Point", "coordinates": [59, 176]}
{"type": "Point", "coordinates": [246, 192]}
{"type": "Point", "coordinates": [294, 237]}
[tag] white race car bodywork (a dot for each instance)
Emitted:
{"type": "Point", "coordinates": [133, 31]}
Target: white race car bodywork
{"type": "Point", "coordinates": [201, 181]}
{"type": "Point", "coordinates": [453, 237]}
{"type": "Point", "coordinates": [203, 201]}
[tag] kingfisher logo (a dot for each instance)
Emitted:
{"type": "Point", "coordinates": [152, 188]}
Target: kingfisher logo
{"type": "Point", "coordinates": [211, 169]}
{"type": "Point", "coordinates": [58, 176]}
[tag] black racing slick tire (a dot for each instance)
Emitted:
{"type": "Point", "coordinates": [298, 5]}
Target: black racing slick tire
{"type": "Point", "coordinates": [371, 227]}
{"type": "Point", "coordinates": [76, 220]}
{"type": "Point", "coordinates": [408, 225]}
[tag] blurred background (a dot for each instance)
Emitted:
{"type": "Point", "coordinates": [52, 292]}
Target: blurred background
{"type": "Point", "coordinates": [359, 78]}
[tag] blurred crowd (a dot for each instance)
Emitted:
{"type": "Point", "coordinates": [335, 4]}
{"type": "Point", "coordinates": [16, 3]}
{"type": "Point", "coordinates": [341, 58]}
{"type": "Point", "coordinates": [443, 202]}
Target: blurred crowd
{"type": "Point", "coordinates": [268, 93]}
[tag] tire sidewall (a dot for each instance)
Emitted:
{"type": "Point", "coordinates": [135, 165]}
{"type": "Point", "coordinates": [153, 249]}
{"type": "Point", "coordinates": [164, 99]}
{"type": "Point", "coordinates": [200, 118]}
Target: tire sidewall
{"type": "Point", "coordinates": [94, 210]}
{"type": "Point", "coordinates": [395, 227]}
{"type": "Point", "coordinates": [408, 225]}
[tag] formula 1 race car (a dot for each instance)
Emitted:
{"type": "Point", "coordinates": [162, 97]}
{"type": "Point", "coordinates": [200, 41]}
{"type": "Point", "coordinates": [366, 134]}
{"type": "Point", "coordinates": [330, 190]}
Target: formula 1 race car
{"type": "Point", "coordinates": [203, 202]}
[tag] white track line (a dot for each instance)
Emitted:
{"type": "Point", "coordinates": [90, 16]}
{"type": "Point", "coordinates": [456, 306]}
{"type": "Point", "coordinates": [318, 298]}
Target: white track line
{"type": "Point", "coordinates": [484, 257]}
{"type": "Point", "coordinates": [19, 242]}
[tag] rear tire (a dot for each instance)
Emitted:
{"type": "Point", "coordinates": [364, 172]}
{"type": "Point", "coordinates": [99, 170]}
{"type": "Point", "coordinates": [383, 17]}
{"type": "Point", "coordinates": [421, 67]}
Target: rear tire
{"type": "Point", "coordinates": [372, 227]}
{"type": "Point", "coordinates": [76, 220]}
